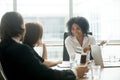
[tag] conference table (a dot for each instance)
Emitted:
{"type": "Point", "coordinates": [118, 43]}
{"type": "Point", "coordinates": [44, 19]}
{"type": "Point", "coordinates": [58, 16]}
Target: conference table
{"type": "Point", "coordinates": [112, 73]}
{"type": "Point", "coordinates": [106, 74]}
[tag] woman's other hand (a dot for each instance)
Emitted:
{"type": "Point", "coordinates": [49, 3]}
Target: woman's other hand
{"type": "Point", "coordinates": [81, 71]}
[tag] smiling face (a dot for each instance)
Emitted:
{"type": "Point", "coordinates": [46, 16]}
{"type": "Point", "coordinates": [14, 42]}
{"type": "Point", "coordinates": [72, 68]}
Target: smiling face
{"type": "Point", "coordinates": [76, 30]}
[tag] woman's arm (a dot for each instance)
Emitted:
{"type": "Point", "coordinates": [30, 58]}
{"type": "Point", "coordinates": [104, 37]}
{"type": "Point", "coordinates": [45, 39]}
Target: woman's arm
{"type": "Point", "coordinates": [48, 62]}
{"type": "Point", "coordinates": [51, 63]}
{"type": "Point", "coordinates": [44, 54]}
{"type": "Point", "coordinates": [92, 42]}
{"type": "Point", "coordinates": [102, 43]}
{"type": "Point", "coordinates": [69, 46]}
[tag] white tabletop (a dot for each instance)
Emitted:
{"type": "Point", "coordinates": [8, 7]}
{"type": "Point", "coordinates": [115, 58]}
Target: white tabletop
{"type": "Point", "coordinates": [106, 73]}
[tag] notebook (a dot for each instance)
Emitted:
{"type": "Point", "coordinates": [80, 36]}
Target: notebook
{"type": "Point", "coordinates": [111, 64]}
{"type": "Point", "coordinates": [65, 64]}
{"type": "Point", "coordinates": [97, 56]}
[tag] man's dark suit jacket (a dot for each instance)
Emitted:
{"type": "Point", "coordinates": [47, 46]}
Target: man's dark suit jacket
{"type": "Point", "coordinates": [20, 63]}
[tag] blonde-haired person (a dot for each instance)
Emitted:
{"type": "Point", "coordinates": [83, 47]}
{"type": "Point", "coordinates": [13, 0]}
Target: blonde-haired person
{"type": "Point", "coordinates": [19, 61]}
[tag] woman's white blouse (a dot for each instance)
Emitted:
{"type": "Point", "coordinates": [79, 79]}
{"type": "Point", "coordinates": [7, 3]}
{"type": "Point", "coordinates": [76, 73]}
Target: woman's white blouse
{"type": "Point", "coordinates": [72, 43]}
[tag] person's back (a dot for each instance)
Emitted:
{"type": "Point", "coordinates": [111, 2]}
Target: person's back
{"type": "Point", "coordinates": [19, 64]}
{"type": "Point", "coordinates": [13, 54]}
{"type": "Point", "coordinates": [13, 60]}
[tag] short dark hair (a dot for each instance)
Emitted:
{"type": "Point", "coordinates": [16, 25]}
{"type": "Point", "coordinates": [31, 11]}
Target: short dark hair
{"type": "Point", "coordinates": [34, 31]}
{"type": "Point", "coordinates": [81, 21]}
{"type": "Point", "coordinates": [11, 25]}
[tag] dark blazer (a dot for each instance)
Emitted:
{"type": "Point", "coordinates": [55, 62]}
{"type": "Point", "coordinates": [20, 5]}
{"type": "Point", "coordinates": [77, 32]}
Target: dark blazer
{"type": "Point", "coordinates": [20, 63]}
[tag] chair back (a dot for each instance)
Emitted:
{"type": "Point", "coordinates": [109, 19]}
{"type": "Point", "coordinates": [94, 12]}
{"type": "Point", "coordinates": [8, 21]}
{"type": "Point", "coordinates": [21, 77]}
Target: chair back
{"type": "Point", "coordinates": [65, 53]}
{"type": "Point", "coordinates": [2, 75]}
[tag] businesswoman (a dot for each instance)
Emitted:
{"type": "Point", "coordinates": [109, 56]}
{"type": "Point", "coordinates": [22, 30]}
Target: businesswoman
{"type": "Point", "coordinates": [78, 28]}
{"type": "Point", "coordinates": [33, 38]}
{"type": "Point", "coordinates": [19, 61]}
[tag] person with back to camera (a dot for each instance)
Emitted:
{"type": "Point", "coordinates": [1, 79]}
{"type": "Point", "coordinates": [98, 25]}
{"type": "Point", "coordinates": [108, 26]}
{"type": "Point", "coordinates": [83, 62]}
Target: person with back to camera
{"type": "Point", "coordinates": [78, 28]}
{"type": "Point", "coordinates": [19, 61]}
{"type": "Point", "coordinates": [33, 37]}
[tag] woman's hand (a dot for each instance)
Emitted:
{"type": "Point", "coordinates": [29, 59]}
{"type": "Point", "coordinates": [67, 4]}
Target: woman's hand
{"type": "Point", "coordinates": [81, 71]}
{"type": "Point", "coordinates": [102, 43]}
{"type": "Point", "coordinates": [88, 48]}
{"type": "Point", "coordinates": [59, 62]}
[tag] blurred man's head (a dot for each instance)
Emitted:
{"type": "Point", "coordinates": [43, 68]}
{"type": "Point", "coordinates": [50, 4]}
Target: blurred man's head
{"type": "Point", "coordinates": [12, 25]}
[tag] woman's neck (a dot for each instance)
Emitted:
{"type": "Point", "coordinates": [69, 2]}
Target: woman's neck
{"type": "Point", "coordinates": [80, 39]}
